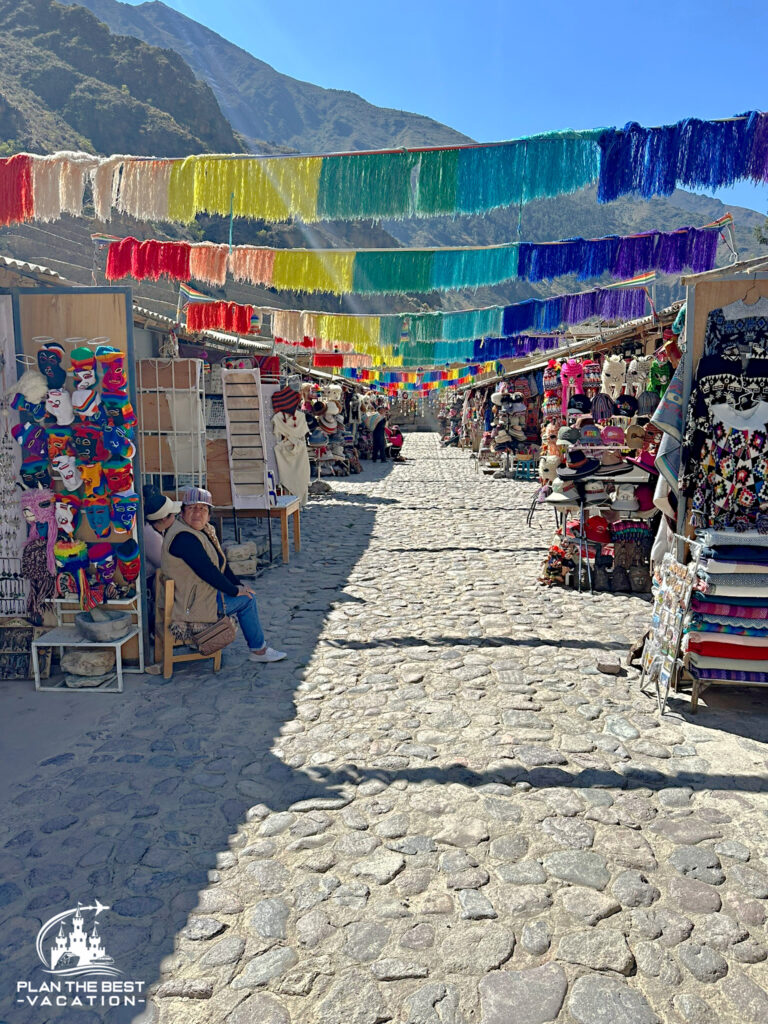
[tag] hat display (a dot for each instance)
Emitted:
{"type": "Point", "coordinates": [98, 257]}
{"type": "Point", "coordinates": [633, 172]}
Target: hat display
{"type": "Point", "coordinates": [612, 464]}
{"type": "Point", "coordinates": [602, 407]}
{"type": "Point", "coordinates": [317, 439]}
{"type": "Point", "coordinates": [577, 465]}
{"type": "Point", "coordinates": [597, 530]}
{"type": "Point", "coordinates": [613, 435]}
{"type": "Point", "coordinates": [196, 496]}
{"type": "Point", "coordinates": [624, 499]}
{"type": "Point", "coordinates": [646, 462]}
{"type": "Point", "coordinates": [568, 435]}
{"type": "Point", "coordinates": [625, 405]}
{"type": "Point", "coordinates": [590, 434]}
{"type": "Point", "coordinates": [328, 423]}
{"type": "Point", "coordinates": [580, 403]}
{"type": "Point", "coordinates": [563, 493]}
{"type": "Point", "coordinates": [286, 400]}
{"type": "Point", "coordinates": [595, 492]}
{"type": "Point", "coordinates": [634, 436]}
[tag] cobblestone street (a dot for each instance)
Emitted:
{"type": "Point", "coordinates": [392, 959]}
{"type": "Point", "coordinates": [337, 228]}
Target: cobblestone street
{"type": "Point", "coordinates": [435, 811]}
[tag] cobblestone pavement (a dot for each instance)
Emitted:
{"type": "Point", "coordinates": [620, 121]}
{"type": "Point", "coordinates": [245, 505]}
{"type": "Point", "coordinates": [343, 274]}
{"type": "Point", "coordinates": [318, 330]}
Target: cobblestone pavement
{"type": "Point", "coordinates": [436, 811]}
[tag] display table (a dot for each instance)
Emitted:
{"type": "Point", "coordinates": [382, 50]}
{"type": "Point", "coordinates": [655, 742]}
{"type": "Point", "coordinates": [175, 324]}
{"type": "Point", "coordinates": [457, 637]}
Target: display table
{"type": "Point", "coordinates": [287, 505]}
{"type": "Point", "coordinates": [69, 636]}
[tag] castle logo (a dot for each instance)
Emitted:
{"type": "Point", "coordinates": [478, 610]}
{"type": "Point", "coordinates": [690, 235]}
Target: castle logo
{"type": "Point", "coordinates": [77, 948]}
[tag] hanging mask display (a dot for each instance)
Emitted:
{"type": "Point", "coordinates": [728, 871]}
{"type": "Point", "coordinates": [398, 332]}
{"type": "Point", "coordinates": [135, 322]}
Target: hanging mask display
{"type": "Point", "coordinates": [59, 442]}
{"type": "Point", "coordinates": [72, 562]}
{"type": "Point", "coordinates": [87, 406]}
{"type": "Point", "coordinates": [112, 360]}
{"type": "Point", "coordinates": [93, 481]}
{"type": "Point", "coordinates": [119, 474]}
{"type": "Point", "coordinates": [49, 360]}
{"type": "Point", "coordinates": [66, 469]}
{"type": "Point", "coordinates": [35, 474]}
{"type": "Point", "coordinates": [117, 441]}
{"type": "Point", "coordinates": [124, 509]}
{"type": "Point", "coordinates": [58, 405]}
{"type": "Point", "coordinates": [118, 410]}
{"type": "Point", "coordinates": [102, 562]}
{"type": "Point", "coordinates": [33, 440]}
{"type": "Point", "coordinates": [67, 513]}
{"type": "Point", "coordinates": [26, 409]}
{"type": "Point", "coordinates": [84, 368]}
{"type": "Point", "coordinates": [88, 444]}
{"type": "Point", "coordinates": [39, 511]}
{"type": "Point", "coordinates": [128, 560]}
{"type": "Point", "coordinates": [97, 514]}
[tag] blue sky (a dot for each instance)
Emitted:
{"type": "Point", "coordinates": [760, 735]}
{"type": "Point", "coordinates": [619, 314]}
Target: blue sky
{"type": "Point", "coordinates": [498, 69]}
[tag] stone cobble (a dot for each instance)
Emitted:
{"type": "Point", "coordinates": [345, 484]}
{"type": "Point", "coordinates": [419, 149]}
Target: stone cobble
{"type": "Point", "coordinates": [435, 811]}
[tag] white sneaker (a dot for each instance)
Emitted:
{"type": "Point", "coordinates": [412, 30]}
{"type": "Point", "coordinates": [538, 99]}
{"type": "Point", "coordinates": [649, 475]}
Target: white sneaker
{"type": "Point", "coordinates": [269, 654]}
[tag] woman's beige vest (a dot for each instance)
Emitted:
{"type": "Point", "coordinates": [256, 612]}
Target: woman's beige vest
{"type": "Point", "coordinates": [194, 600]}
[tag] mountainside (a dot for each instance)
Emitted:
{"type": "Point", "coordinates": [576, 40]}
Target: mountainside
{"type": "Point", "coordinates": [67, 83]}
{"type": "Point", "coordinates": [264, 105]}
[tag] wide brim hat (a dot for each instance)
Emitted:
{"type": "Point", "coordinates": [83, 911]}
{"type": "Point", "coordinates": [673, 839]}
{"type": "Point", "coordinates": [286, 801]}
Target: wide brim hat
{"type": "Point", "coordinates": [646, 462]}
{"type": "Point", "coordinates": [503, 438]}
{"type": "Point", "coordinates": [328, 423]}
{"type": "Point", "coordinates": [584, 421]}
{"type": "Point", "coordinates": [577, 465]}
{"type": "Point", "coordinates": [167, 508]}
{"type": "Point", "coordinates": [634, 436]}
{"type": "Point", "coordinates": [612, 464]}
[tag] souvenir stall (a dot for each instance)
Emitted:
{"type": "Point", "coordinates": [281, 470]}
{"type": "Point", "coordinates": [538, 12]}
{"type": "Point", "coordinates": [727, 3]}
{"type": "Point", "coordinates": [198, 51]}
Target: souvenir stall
{"type": "Point", "coordinates": [717, 423]}
{"type": "Point", "coordinates": [74, 403]}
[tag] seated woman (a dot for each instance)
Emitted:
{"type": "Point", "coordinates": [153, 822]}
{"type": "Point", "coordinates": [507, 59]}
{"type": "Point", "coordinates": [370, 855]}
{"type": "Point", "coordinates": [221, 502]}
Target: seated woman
{"type": "Point", "coordinates": [159, 514]}
{"type": "Point", "coordinates": [205, 586]}
{"type": "Point", "coordinates": [395, 442]}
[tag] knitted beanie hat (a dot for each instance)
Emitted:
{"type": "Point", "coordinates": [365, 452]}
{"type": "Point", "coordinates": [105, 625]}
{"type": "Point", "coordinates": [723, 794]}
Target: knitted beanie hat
{"type": "Point", "coordinates": [82, 359]}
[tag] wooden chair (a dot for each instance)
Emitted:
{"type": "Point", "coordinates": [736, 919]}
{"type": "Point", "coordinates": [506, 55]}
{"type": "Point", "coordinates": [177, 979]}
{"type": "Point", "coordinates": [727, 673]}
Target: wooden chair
{"type": "Point", "coordinates": [164, 638]}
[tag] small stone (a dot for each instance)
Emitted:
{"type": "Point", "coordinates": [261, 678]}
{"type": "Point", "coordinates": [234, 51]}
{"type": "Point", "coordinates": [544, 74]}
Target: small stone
{"type": "Point", "coordinates": [187, 988]}
{"type": "Point", "coordinates": [508, 848]}
{"type": "Point", "coordinates": [381, 866]}
{"type": "Point", "coordinates": [596, 999]}
{"type": "Point", "coordinates": [202, 928]}
{"type": "Point", "coordinates": [227, 951]}
{"type": "Point", "coordinates": [475, 906]}
{"type": "Point", "coordinates": [356, 844]}
{"type": "Point", "coordinates": [752, 882]}
{"type": "Point", "coordinates": [436, 903]}
{"type": "Point", "coordinates": [364, 941]}
{"type": "Point", "coordinates": [694, 897]}
{"type": "Point", "coordinates": [706, 965]}
{"type": "Point", "coordinates": [578, 867]}
{"type": "Point", "coordinates": [719, 931]}
{"type": "Point", "coordinates": [535, 938]}
{"type": "Point", "coordinates": [632, 889]}
{"type": "Point", "coordinates": [275, 824]}
{"type": "Point", "coordinates": [259, 1009]}
{"type": "Point", "coordinates": [686, 831]}
{"type": "Point", "coordinates": [572, 832]}
{"type": "Point", "coordinates": [588, 905]}
{"type": "Point", "coordinates": [699, 863]}
{"type": "Point", "coordinates": [528, 899]}
{"type": "Point", "coordinates": [394, 826]}
{"type": "Point", "coordinates": [396, 970]}
{"type": "Point", "coordinates": [527, 872]}
{"type": "Point", "coordinates": [265, 967]}
{"type": "Point", "coordinates": [750, 951]}
{"type": "Point", "coordinates": [421, 1006]}
{"type": "Point", "coordinates": [733, 849]}
{"type": "Point", "coordinates": [467, 832]}
{"type": "Point", "coordinates": [313, 928]}
{"type": "Point", "coordinates": [627, 848]}
{"type": "Point", "coordinates": [751, 912]}
{"type": "Point", "coordinates": [749, 999]}
{"type": "Point", "coordinates": [609, 668]}
{"type": "Point", "coordinates": [654, 962]}
{"type": "Point", "coordinates": [601, 949]}
{"type": "Point", "coordinates": [536, 756]}
{"type": "Point", "coordinates": [675, 796]}
{"type": "Point", "coordinates": [621, 727]}
{"type": "Point", "coordinates": [269, 918]}
{"type": "Point", "coordinates": [476, 949]}
{"type": "Point", "coordinates": [421, 936]}
{"type": "Point", "coordinates": [692, 1009]}
{"type": "Point", "coordinates": [532, 996]}
{"type": "Point", "coordinates": [352, 999]}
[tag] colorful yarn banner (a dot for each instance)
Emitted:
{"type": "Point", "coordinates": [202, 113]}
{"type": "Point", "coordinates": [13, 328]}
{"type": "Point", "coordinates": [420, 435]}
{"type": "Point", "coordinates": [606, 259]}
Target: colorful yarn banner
{"type": "Point", "coordinates": [225, 316]}
{"type": "Point", "coordinates": [393, 184]}
{"type": "Point", "coordinates": [395, 271]}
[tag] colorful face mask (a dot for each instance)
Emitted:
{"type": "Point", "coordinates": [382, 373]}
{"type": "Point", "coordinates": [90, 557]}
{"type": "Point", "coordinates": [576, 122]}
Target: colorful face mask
{"type": "Point", "coordinates": [59, 442]}
{"type": "Point", "coordinates": [32, 410]}
{"type": "Point", "coordinates": [88, 445]}
{"type": "Point", "coordinates": [119, 444]}
{"type": "Point", "coordinates": [33, 441]}
{"type": "Point", "coordinates": [49, 360]}
{"type": "Point", "coordinates": [67, 513]}
{"type": "Point", "coordinates": [119, 474]}
{"type": "Point", "coordinates": [124, 509]}
{"type": "Point", "coordinates": [36, 473]}
{"type": "Point", "coordinates": [87, 405]}
{"type": "Point", "coordinates": [113, 378]}
{"type": "Point", "coordinates": [118, 410]}
{"type": "Point", "coordinates": [97, 514]}
{"type": "Point", "coordinates": [92, 479]}
{"type": "Point", "coordinates": [65, 468]}
{"type": "Point", "coordinates": [58, 405]}
{"type": "Point", "coordinates": [128, 560]}
{"type": "Point", "coordinates": [102, 562]}
{"type": "Point", "coordinates": [83, 368]}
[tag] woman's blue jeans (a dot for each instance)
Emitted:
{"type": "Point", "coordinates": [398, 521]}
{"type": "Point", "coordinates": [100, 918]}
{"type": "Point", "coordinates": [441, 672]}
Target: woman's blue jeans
{"type": "Point", "coordinates": [247, 613]}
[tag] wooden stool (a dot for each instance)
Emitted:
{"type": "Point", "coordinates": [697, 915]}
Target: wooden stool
{"type": "Point", "coordinates": [164, 638]}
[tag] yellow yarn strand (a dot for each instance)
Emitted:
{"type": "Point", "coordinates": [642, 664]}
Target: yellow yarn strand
{"type": "Point", "coordinates": [314, 272]}
{"type": "Point", "coordinates": [362, 331]}
{"type": "Point", "coordinates": [181, 190]}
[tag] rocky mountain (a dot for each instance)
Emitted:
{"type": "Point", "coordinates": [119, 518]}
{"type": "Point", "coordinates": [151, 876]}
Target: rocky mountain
{"type": "Point", "coordinates": [264, 105]}
{"type": "Point", "coordinates": [66, 82]}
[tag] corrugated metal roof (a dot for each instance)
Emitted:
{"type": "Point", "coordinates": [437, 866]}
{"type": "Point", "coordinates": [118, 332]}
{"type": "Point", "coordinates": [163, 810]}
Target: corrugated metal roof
{"type": "Point", "coordinates": [29, 268]}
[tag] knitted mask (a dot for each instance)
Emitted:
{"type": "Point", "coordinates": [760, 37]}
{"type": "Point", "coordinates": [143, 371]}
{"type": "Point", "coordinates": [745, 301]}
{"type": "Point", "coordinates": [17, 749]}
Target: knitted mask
{"type": "Point", "coordinates": [65, 468]}
{"type": "Point", "coordinates": [49, 360]}
{"type": "Point", "coordinates": [118, 410]}
{"type": "Point", "coordinates": [33, 440]}
{"type": "Point", "coordinates": [118, 443]}
{"type": "Point", "coordinates": [119, 474]}
{"type": "Point", "coordinates": [59, 442]}
{"type": "Point", "coordinates": [102, 561]}
{"type": "Point", "coordinates": [112, 360]}
{"type": "Point", "coordinates": [128, 560]}
{"type": "Point", "coordinates": [35, 474]}
{"type": "Point", "coordinates": [88, 445]}
{"type": "Point", "coordinates": [92, 479]}
{"type": "Point", "coordinates": [83, 367]}
{"type": "Point", "coordinates": [67, 513]}
{"type": "Point", "coordinates": [87, 405]}
{"type": "Point", "coordinates": [39, 510]}
{"type": "Point", "coordinates": [124, 509]}
{"type": "Point", "coordinates": [30, 410]}
{"type": "Point", "coordinates": [58, 405]}
{"type": "Point", "coordinates": [72, 561]}
{"type": "Point", "coordinates": [97, 514]}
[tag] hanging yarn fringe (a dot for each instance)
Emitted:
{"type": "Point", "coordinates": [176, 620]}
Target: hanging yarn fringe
{"type": "Point", "coordinates": [142, 189]}
{"type": "Point", "coordinates": [208, 263]}
{"type": "Point", "coordinates": [225, 316]}
{"type": "Point", "coordinates": [104, 183]}
{"type": "Point", "coordinates": [546, 314]}
{"type": "Point", "coordinates": [58, 183]}
{"type": "Point", "coordinates": [250, 265]}
{"type": "Point", "coordinates": [16, 195]}
{"type": "Point", "coordinates": [148, 260]}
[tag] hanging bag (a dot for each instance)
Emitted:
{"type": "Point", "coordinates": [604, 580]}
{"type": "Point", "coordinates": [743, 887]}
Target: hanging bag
{"type": "Point", "coordinates": [216, 636]}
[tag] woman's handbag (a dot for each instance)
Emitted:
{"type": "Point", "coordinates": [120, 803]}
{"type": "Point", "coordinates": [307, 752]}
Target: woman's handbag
{"type": "Point", "coordinates": [217, 635]}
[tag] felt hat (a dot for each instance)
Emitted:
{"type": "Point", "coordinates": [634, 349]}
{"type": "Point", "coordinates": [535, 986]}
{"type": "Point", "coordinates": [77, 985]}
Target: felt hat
{"type": "Point", "coordinates": [577, 465]}
{"type": "Point", "coordinates": [595, 492]}
{"type": "Point", "coordinates": [286, 400]}
{"type": "Point", "coordinates": [196, 496]}
{"type": "Point", "coordinates": [612, 464]}
{"type": "Point", "coordinates": [634, 436]}
{"type": "Point", "coordinates": [646, 462]}
{"type": "Point", "coordinates": [563, 493]}
{"type": "Point", "coordinates": [503, 438]}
